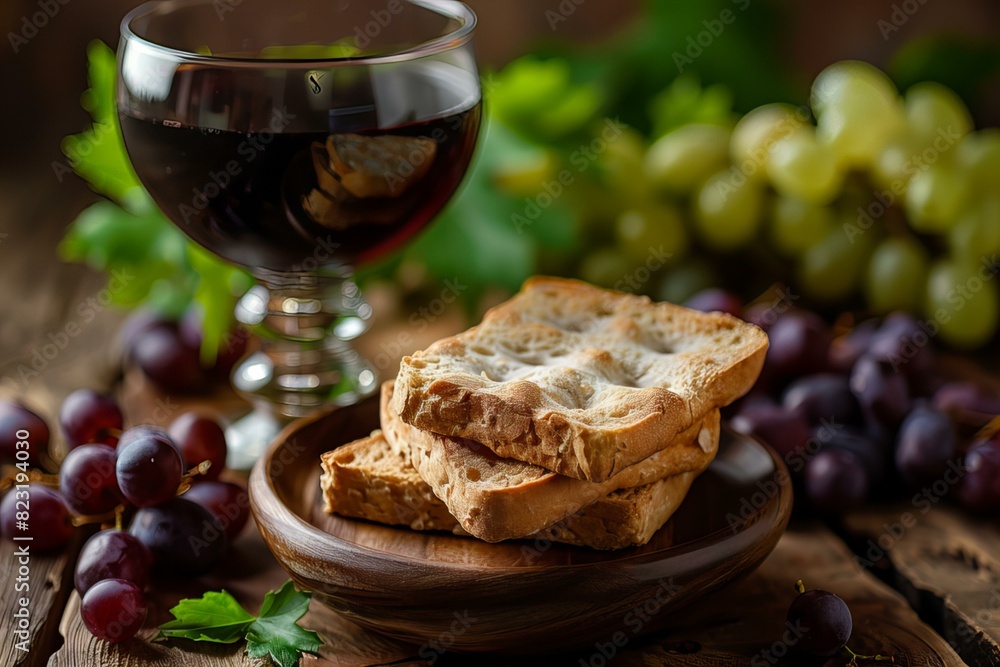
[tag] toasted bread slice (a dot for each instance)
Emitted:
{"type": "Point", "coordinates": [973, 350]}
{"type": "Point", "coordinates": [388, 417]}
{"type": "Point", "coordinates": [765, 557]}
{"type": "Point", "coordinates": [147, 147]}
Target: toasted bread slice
{"type": "Point", "coordinates": [366, 479]}
{"type": "Point", "coordinates": [500, 499]}
{"type": "Point", "coordinates": [579, 380]}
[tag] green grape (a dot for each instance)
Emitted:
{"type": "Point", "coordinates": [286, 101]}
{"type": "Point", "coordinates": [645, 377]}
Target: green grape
{"type": "Point", "coordinates": [524, 177]}
{"type": "Point", "coordinates": [977, 233]}
{"type": "Point", "coordinates": [622, 166]}
{"type": "Point", "coordinates": [684, 281]}
{"type": "Point", "coordinates": [935, 111]}
{"type": "Point", "coordinates": [935, 198]}
{"type": "Point", "coordinates": [845, 83]}
{"type": "Point", "coordinates": [796, 225]}
{"type": "Point", "coordinates": [896, 275]}
{"type": "Point", "coordinates": [756, 133]}
{"type": "Point", "coordinates": [895, 164]}
{"type": "Point", "coordinates": [802, 168]}
{"type": "Point", "coordinates": [861, 114]}
{"type": "Point", "coordinates": [962, 303]}
{"type": "Point", "coordinates": [654, 227]}
{"type": "Point", "coordinates": [683, 159]}
{"type": "Point", "coordinates": [728, 216]}
{"type": "Point", "coordinates": [830, 270]}
{"type": "Point", "coordinates": [606, 267]}
{"type": "Point", "coordinates": [979, 154]}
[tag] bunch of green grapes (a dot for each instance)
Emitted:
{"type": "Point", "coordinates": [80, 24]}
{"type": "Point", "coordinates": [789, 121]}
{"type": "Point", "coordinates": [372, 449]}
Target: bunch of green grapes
{"type": "Point", "coordinates": [864, 193]}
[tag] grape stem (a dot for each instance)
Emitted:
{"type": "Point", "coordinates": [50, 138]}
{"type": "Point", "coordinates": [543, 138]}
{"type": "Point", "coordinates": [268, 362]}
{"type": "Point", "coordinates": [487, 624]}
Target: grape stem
{"type": "Point", "coordinates": [34, 475]}
{"type": "Point", "coordinates": [800, 587]}
{"type": "Point", "coordinates": [189, 476]}
{"type": "Point", "coordinates": [87, 519]}
{"type": "Point", "coordinates": [989, 430]}
{"type": "Point", "coordinates": [875, 658]}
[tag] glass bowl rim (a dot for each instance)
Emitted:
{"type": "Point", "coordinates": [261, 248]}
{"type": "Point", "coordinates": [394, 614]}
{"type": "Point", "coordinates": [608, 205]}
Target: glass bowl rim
{"type": "Point", "coordinates": [453, 9]}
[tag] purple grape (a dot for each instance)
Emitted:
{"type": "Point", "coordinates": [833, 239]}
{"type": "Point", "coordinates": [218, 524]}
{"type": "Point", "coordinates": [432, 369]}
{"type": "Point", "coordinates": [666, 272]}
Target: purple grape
{"type": "Point", "coordinates": [43, 511]}
{"type": "Point", "coordinates": [712, 300]}
{"type": "Point", "coordinates": [902, 343]}
{"type": "Point", "coordinates": [979, 488]}
{"type": "Point", "coordinates": [762, 315]}
{"type": "Point", "coordinates": [16, 418]}
{"type": "Point", "coordinates": [149, 470]}
{"type": "Point", "coordinates": [824, 396]}
{"type": "Point", "coordinates": [836, 481]}
{"type": "Point", "coordinates": [924, 446]}
{"type": "Point", "coordinates": [970, 404]}
{"type": "Point", "coordinates": [112, 554]}
{"type": "Point", "coordinates": [871, 449]}
{"type": "Point", "coordinates": [114, 610]}
{"type": "Point", "coordinates": [169, 362]}
{"type": "Point", "coordinates": [200, 438]}
{"type": "Point", "coordinates": [799, 344]}
{"type": "Point", "coordinates": [182, 536]}
{"type": "Point", "coordinates": [232, 347]}
{"type": "Point", "coordinates": [782, 429]}
{"type": "Point", "coordinates": [228, 503]}
{"type": "Point", "coordinates": [87, 479]}
{"type": "Point", "coordinates": [847, 349]}
{"type": "Point", "coordinates": [825, 621]}
{"type": "Point", "coordinates": [883, 393]}
{"type": "Point", "coordinates": [89, 417]}
{"type": "Point", "coordinates": [139, 323]}
{"type": "Point", "coordinates": [142, 431]}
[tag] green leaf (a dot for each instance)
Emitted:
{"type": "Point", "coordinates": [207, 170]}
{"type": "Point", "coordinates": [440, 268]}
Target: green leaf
{"type": "Point", "coordinates": [343, 49]}
{"type": "Point", "coordinates": [539, 99]}
{"type": "Point", "coordinates": [214, 617]}
{"type": "Point", "coordinates": [98, 154]}
{"type": "Point", "coordinates": [102, 74]}
{"type": "Point", "coordinates": [685, 101]}
{"type": "Point", "coordinates": [276, 632]}
{"type": "Point", "coordinates": [219, 285]}
{"type": "Point", "coordinates": [219, 618]}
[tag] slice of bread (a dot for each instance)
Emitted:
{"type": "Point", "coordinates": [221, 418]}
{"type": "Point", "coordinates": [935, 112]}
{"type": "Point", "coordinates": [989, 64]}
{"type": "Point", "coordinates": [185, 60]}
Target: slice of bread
{"type": "Point", "coordinates": [579, 380]}
{"type": "Point", "coordinates": [500, 499]}
{"type": "Point", "coordinates": [366, 479]}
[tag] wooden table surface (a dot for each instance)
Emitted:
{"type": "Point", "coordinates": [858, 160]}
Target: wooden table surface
{"type": "Point", "coordinates": [928, 593]}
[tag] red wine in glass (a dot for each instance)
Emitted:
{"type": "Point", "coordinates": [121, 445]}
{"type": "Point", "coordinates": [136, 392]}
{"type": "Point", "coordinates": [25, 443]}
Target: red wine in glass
{"type": "Point", "coordinates": [267, 198]}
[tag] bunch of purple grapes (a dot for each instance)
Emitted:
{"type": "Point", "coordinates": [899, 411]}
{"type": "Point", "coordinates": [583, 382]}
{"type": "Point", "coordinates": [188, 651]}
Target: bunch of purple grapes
{"type": "Point", "coordinates": [865, 414]}
{"type": "Point", "coordinates": [109, 475]}
{"type": "Point", "coordinates": [169, 351]}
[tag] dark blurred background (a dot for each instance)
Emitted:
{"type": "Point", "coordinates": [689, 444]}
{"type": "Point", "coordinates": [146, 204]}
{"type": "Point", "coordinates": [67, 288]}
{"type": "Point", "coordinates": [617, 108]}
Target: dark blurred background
{"type": "Point", "coordinates": [43, 81]}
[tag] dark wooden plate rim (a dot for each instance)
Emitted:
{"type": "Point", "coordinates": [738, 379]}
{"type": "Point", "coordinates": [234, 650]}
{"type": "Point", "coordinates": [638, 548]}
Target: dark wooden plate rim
{"type": "Point", "coordinates": [281, 513]}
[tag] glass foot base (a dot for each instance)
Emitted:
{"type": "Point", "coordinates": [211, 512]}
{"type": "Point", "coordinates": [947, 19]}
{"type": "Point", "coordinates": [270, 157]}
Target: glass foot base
{"type": "Point", "coordinates": [249, 437]}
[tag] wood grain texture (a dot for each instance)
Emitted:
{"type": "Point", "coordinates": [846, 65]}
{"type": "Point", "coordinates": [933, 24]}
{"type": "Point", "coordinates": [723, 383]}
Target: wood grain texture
{"type": "Point", "coordinates": [742, 626]}
{"type": "Point", "coordinates": [948, 566]}
{"type": "Point", "coordinates": [50, 583]}
{"type": "Point", "coordinates": [754, 616]}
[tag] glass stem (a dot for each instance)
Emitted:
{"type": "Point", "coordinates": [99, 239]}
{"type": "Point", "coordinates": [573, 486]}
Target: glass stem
{"type": "Point", "coordinates": [305, 322]}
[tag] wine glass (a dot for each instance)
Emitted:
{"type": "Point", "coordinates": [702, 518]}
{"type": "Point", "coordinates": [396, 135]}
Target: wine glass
{"type": "Point", "coordinates": [297, 139]}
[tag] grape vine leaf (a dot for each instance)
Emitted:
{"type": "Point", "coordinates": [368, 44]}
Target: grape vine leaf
{"type": "Point", "coordinates": [275, 631]}
{"type": "Point", "coordinates": [98, 154]}
{"type": "Point", "coordinates": [214, 617]}
{"type": "Point", "coordinates": [217, 617]}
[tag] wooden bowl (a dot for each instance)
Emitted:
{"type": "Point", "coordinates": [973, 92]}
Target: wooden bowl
{"type": "Point", "coordinates": [520, 597]}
